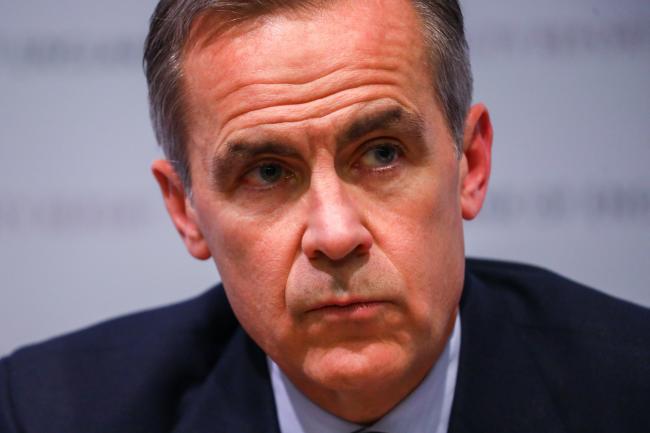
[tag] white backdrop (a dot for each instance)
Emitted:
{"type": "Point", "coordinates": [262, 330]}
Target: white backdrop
{"type": "Point", "coordinates": [83, 232]}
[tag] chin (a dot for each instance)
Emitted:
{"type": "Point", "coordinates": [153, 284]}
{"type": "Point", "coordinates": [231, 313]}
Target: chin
{"type": "Point", "coordinates": [357, 366]}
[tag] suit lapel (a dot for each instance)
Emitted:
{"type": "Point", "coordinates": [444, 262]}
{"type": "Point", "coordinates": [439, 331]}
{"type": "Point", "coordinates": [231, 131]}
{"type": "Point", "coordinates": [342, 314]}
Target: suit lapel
{"type": "Point", "coordinates": [499, 386]}
{"type": "Point", "coordinates": [236, 397]}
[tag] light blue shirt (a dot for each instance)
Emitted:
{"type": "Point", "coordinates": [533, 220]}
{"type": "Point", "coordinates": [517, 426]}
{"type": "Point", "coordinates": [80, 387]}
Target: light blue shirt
{"type": "Point", "coordinates": [425, 410]}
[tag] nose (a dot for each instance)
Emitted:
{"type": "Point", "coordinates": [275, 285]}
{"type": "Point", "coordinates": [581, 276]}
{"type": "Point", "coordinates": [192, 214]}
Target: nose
{"type": "Point", "coordinates": [335, 228]}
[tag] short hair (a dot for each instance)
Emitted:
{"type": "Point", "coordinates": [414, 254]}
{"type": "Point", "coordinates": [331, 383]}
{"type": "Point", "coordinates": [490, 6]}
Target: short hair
{"type": "Point", "coordinates": [169, 30]}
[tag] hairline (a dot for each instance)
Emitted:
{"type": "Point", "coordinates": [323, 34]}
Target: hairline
{"type": "Point", "coordinates": [175, 142]}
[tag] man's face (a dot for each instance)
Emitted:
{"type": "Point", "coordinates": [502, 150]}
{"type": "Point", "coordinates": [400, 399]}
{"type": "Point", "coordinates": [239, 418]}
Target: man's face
{"type": "Point", "coordinates": [326, 186]}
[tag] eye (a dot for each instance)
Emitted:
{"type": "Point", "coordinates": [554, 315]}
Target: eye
{"type": "Point", "coordinates": [266, 175]}
{"type": "Point", "coordinates": [380, 156]}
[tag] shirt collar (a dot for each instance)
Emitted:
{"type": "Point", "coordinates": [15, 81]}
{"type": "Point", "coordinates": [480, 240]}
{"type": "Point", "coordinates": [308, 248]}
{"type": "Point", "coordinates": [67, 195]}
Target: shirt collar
{"type": "Point", "coordinates": [426, 409]}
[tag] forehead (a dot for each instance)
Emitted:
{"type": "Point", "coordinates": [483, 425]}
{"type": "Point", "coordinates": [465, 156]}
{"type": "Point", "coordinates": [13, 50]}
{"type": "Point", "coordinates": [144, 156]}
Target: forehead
{"type": "Point", "coordinates": [357, 26]}
{"type": "Point", "coordinates": [284, 64]}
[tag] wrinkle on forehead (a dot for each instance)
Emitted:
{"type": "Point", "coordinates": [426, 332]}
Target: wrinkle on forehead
{"type": "Point", "coordinates": [233, 77]}
{"type": "Point", "coordinates": [293, 97]}
{"type": "Point", "coordinates": [363, 41]}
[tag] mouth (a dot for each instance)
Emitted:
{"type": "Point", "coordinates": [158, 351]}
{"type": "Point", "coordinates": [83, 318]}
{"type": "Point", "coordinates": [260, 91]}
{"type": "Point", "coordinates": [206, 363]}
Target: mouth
{"type": "Point", "coordinates": [357, 310]}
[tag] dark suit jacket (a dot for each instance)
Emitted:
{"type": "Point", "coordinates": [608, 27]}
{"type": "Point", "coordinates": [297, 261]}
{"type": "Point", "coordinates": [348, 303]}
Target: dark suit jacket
{"type": "Point", "coordinates": [538, 354]}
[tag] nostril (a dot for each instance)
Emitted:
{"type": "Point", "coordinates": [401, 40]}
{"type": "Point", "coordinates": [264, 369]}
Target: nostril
{"type": "Point", "coordinates": [364, 245]}
{"type": "Point", "coordinates": [327, 242]}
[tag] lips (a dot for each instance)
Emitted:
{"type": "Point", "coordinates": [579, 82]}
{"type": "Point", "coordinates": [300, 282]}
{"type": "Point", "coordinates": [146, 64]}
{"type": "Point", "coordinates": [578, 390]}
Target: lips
{"type": "Point", "coordinates": [352, 310]}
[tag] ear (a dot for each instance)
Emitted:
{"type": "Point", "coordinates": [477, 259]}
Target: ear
{"type": "Point", "coordinates": [475, 162]}
{"type": "Point", "coordinates": [180, 209]}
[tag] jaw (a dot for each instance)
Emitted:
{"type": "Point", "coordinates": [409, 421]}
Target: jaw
{"type": "Point", "coordinates": [360, 381]}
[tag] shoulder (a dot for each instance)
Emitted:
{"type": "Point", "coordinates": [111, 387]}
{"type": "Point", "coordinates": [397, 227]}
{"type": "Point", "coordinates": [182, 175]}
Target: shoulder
{"type": "Point", "coordinates": [536, 297]}
{"type": "Point", "coordinates": [145, 360]}
{"type": "Point", "coordinates": [581, 355]}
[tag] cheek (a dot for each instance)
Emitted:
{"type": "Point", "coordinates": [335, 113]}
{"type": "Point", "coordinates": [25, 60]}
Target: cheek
{"type": "Point", "coordinates": [255, 243]}
{"type": "Point", "coordinates": [424, 222]}
{"type": "Point", "coordinates": [422, 236]}
{"type": "Point", "coordinates": [254, 258]}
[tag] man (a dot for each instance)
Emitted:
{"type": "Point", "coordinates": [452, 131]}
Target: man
{"type": "Point", "coordinates": [324, 154]}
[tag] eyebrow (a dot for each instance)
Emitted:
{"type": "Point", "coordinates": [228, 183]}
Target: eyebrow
{"type": "Point", "coordinates": [238, 153]}
{"type": "Point", "coordinates": [384, 119]}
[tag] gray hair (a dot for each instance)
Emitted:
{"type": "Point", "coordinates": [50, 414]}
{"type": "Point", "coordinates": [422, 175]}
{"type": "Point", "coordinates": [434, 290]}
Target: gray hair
{"type": "Point", "coordinates": [170, 27]}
